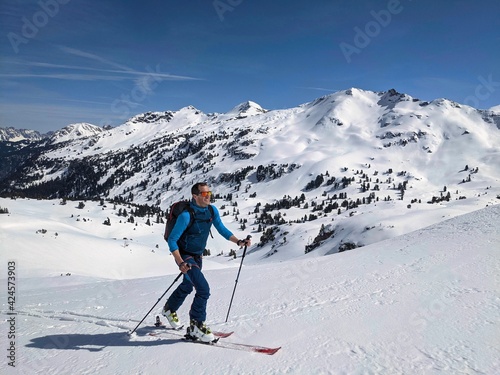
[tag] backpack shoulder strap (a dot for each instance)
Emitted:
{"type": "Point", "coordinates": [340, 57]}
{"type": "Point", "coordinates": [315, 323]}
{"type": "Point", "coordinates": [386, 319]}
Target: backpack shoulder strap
{"type": "Point", "coordinates": [189, 209]}
{"type": "Point", "coordinates": [211, 209]}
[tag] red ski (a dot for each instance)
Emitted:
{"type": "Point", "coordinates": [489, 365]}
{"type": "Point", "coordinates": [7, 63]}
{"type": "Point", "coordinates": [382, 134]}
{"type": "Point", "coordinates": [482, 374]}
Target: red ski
{"type": "Point", "coordinates": [161, 330]}
{"type": "Point", "coordinates": [236, 346]}
{"type": "Point", "coordinates": [218, 334]}
{"type": "Point", "coordinates": [159, 325]}
{"type": "Point", "coordinates": [249, 348]}
{"type": "Point", "coordinates": [222, 335]}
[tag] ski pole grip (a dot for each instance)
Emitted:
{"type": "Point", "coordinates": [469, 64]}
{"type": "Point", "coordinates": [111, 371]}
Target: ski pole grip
{"type": "Point", "coordinates": [243, 242]}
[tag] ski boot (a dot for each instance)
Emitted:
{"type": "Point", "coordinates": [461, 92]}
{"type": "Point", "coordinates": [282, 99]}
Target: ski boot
{"type": "Point", "coordinates": [172, 317]}
{"type": "Point", "coordinates": [199, 331]}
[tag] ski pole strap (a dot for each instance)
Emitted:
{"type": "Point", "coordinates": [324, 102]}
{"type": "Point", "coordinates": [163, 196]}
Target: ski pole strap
{"type": "Point", "coordinates": [190, 264]}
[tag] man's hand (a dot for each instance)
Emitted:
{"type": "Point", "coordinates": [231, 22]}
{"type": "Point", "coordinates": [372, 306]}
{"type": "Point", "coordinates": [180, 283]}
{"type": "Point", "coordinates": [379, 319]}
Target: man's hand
{"type": "Point", "coordinates": [184, 267]}
{"type": "Point", "coordinates": [246, 242]}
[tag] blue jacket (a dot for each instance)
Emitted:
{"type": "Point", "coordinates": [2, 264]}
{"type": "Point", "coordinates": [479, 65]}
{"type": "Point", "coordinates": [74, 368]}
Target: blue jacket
{"type": "Point", "coordinates": [195, 239]}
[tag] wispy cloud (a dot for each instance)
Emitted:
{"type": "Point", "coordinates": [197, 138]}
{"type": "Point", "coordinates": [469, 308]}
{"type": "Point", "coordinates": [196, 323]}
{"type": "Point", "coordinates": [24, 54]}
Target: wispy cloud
{"type": "Point", "coordinates": [91, 56]}
{"type": "Point", "coordinates": [96, 77]}
{"type": "Point", "coordinates": [102, 103]}
{"type": "Point", "coordinates": [71, 77]}
{"type": "Point", "coordinates": [122, 68]}
{"type": "Point", "coordinates": [318, 89]}
{"type": "Point", "coordinates": [119, 73]}
{"type": "Point", "coordinates": [76, 67]}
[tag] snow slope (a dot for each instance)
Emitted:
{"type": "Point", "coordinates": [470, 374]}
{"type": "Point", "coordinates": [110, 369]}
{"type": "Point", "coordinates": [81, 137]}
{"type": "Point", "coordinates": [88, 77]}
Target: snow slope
{"type": "Point", "coordinates": [397, 153]}
{"type": "Point", "coordinates": [426, 302]}
{"type": "Point", "coordinates": [75, 131]}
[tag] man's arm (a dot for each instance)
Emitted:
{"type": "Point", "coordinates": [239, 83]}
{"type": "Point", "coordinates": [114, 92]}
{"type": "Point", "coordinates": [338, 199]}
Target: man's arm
{"type": "Point", "coordinates": [183, 266]}
{"type": "Point", "coordinates": [226, 233]}
{"type": "Point", "coordinates": [244, 242]}
{"type": "Point", "coordinates": [179, 228]}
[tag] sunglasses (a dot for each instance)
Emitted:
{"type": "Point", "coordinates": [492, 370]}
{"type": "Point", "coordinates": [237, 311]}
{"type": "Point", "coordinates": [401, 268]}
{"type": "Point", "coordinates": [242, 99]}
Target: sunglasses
{"type": "Point", "coordinates": [205, 193]}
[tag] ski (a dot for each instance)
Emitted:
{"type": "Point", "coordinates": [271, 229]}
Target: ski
{"type": "Point", "coordinates": [248, 348]}
{"type": "Point", "coordinates": [160, 329]}
{"type": "Point", "coordinates": [160, 325]}
{"type": "Point", "coordinates": [222, 335]}
{"type": "Point", "coordinates": [219, 335]}
{"type": "Point", "coordinates": [189, 338]}
{"type": "Point", "coordinates": [236, 346]}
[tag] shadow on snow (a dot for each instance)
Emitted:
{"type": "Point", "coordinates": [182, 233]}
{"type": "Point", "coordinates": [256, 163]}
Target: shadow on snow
{"type": "Point", "coordinates": [95, 342]}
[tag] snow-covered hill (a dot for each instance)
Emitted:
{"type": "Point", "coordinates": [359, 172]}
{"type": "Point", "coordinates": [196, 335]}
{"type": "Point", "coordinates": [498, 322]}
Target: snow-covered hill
{"type": "Point", "coordinates": [75, 131]}
{"type": "Point", "coordinates": [422, 303]}
{"type": "Point", "coordinates": [343, 171]}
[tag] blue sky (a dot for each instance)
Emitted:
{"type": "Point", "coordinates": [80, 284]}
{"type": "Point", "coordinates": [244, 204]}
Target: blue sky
{"type": "Point", "coordinates": [67, 61]}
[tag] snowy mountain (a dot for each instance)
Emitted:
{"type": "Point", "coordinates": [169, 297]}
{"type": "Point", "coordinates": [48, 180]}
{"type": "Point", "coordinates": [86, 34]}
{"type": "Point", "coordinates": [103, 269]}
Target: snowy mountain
{"type": "Point", "coordinates": [422, 303]}
{"type": "Point", "coordinates": [245, 109]}
{"type": "Point", "coordinates": [410, 187]}
{"type": "Point", "coordinates": [73, 132]}
{"type": "Point", "coordinates": [15, 135]}
{"type": "Point", "coordinates": [330, 175]}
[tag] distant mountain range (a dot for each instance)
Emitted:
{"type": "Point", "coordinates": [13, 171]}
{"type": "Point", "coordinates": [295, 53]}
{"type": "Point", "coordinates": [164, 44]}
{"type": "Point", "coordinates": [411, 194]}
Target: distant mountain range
{"type": "Point", "coordinates": [339, 172]}
{"type": "Point", "coordinates": [15, 135]}
{"type": "Point", "coordinates": [68, 133]}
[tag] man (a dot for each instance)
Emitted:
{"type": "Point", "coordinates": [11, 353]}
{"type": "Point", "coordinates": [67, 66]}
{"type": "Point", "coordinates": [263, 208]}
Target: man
{"type": "Point", "coordinates": [187, 245]}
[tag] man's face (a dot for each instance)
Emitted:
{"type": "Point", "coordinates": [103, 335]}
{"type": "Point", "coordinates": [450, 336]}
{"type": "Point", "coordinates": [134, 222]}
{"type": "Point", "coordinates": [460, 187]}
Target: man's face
{"type": "Point", "coordinates": [203, 198]}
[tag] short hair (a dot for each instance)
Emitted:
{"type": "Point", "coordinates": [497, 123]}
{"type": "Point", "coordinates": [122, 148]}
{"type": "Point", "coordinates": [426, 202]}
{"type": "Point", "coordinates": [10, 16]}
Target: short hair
{"type": "Point", "coordinates": [196, 187]}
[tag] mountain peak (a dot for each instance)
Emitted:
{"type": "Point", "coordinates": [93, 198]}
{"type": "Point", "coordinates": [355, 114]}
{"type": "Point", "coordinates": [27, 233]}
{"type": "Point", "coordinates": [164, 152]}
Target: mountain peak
{"type": "Point", "coordinates": [392, 97]}
{"type": "Point", "coordinates": [152, 117]}
{"type": "Point", "coordinates": [245, 109]}
{"type": "Point", "coordinates": [75, 131]}
{"type": "Point", "coordinates": [495, 109]}
{"type": "Point", "coordinates": [163, 116]}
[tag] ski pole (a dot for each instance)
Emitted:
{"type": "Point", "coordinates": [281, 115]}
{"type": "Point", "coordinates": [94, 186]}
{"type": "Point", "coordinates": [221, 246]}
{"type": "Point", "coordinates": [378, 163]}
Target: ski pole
{"type": "Point", "coordinates": [159, 299]}
{"type": "Point", "coordinates": [237, 277]}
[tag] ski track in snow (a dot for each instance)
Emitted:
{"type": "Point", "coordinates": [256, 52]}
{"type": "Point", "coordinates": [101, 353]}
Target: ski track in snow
{"type": "Point", "coordinates": [423, 303]}
{"type": "Point", "coordinates": [68, 316]}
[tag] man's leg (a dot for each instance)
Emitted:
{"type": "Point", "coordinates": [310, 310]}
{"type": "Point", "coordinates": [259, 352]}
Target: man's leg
{"type": "Point", "coordinates": [198, 310]}
{"type": "Point", "coordinates": [179, 295]}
